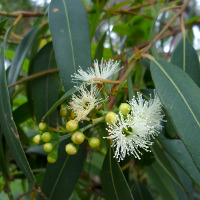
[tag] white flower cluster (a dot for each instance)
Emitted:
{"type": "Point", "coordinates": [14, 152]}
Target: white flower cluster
{"type": "Point", "coordinates": [134, 131]}
{"type": "Point", "coordinates": [104, 70]}
{"type": "Point", "coordinates": [131, 132]}
{"type": "Point", "coordinates": [83, 104]}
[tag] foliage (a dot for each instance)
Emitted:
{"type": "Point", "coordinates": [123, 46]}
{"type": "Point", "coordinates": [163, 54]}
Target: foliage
{"type": "Point", "coordinates": [92, 106]}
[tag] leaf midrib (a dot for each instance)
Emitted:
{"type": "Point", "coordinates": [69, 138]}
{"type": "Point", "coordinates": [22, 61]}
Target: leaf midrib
{"type": "Point", "coordinates": [58, 177]}
{"type": "Point", "coordinates": [70, 36]}
{"type": "Point", "coordinates": [178, 91]}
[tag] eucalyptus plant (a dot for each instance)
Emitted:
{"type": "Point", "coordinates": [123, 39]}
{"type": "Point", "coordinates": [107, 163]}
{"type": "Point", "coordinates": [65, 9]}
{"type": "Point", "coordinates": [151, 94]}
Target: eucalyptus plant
{"type": "Point", "coordinates": [93, 106]}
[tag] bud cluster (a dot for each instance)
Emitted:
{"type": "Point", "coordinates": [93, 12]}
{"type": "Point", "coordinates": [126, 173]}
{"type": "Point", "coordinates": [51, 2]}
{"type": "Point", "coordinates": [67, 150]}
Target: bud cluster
{"type": "Point", "coordinates": [49, 140]}
{"type": "Point", "coordinates": [78, 138]}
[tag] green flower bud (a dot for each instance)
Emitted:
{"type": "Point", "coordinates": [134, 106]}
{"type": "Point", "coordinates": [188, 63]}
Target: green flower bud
{"type": "Point", "coordinates": [46, 137]}
{"type": "Point", "coordinates": [78, 137]}
{"type": "Point", "coordinates": [73, 115]}
{"type": "Point", "coordinates": [124, 108]}
{"type": "Point", "coordinates": [63, 112]}
{"type": "Point", "coordinates": [71, 125]}
{"type": "Point", "coordinates": [94, 142]}
{"type": "Point", "coordinates": [71, 149]}
{"type": "Point", "coordinates": [48, 147]}
{"type": "Point", "coordinates": [52, 157]}
{"type": "Point", "coordinates": [43, 126]}
{"type": "Point", "coordinates": [111, 118]}
{"type": "Point", "coordinates": [37, 139]}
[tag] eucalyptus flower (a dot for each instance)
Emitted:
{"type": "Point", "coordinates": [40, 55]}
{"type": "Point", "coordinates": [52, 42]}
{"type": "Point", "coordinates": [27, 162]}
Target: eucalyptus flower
{"type": "Point", "coordinates": [150, 111]}
{"type": "Point", "coordinates": [104, 71]}
{"type": "Point", "coordinates": [83, 103]}
{"type": "Point", "coordinates": [134, 131]}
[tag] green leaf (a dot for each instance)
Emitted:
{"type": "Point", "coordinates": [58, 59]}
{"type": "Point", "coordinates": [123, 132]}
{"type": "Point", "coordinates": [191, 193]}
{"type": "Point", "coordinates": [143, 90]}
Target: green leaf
{"type": "Point", "coordinates": [70, 34]}
{"type": "Point", "coordinates": [94, 16]}
{"type": "Point", "coordinates": [192, 20]}
{"type": "Point", "coordinates": [7, 124]}
{"type": "Point", "coordinates": [2, 24]}
{"type": "Point", "coordinates": [61, 177]}
{"type": "Point", "coordinates": [165, 164]}
{"type": "Point", "coordinates": [162, 182]}
{"type": "Point", "coordinates": [185, 57]}
{"type": "Point", "coordinates": [11, 54]}
{"type": "Point", "coordinates": [37, 149]}
{"type": "Point", "coordinates": [176, 149]}
{"type": "Point", "coordinates": [114, 8]}
{"type": "Point", "coordinates": [46, 89]}
{"type": "Point", "coordinates": [152, 36]}
{"type": "Point", "coordinates": [170, 130]}
{"type": "Point", "coordinates": [20, 55]}
{"type": "Point", "coordinates": [99, 50]}
{"type": "Point", "coordinates": [140, 192]}
{"type": "Point", "coordinates": [180, 97]}
{"type": "Point", "coordinates": [185, 180]}
{"type": "Point", "coordinates": [22, 113]}
{"type": "Point", "coordinates": [61, 100]}
{"type": "Point", "coordinates": [131, 91]}
{"type": "Point", "coordinates": [4, 164]}
{"type": "Point", "coordinates": [113, 181]}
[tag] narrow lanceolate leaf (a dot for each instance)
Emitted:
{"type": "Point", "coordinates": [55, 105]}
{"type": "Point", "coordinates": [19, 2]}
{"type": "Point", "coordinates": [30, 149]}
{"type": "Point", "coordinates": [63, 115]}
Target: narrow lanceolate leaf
{"type": "Point", "coordinates": [113, 181]}
{"type": "Point", "coordinates": [62, 176]}
{"type": "Point", "coordinates": [46, 89]}
{"type": "Point", "coordinates": [185, 57]}
{"type": "Point", "coordinates": [185, 180]}
{"type": "Point", "coordinates": [69, 27]}
{"type": "Point", "coordinates": [7, 124]}
{"type": "Point", "coordinates": [99, 50]}
{"type": "Point", "coordinates": [165, 164]}
{"type": "Point", "coordinates": [176, 149]}
{"type": "Point", "coordinates": [162, 183]}
{"type": "Point", "coordinates": [180, 97]}
{"type": "Point", "coordinates": [20, 55]}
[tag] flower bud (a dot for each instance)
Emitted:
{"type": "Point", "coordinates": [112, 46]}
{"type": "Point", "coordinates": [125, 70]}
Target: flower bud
{"type": "Point", "coordinates": [63, 112]}
{"type": "Point", "coordinates": [46, 137]}
{"type": "Point", "coordinates": [48, 147]}
{"type": "Point", "coordinates": [52, 157]}
{"type": "Point", "coordinates": [37, 139]}
{"type": "Point", "coordinates": [124, 108]}
{"type": "Point", "coordinates": [111, 118]}
{"type": "Point", "coordinates": [73, 115]}
{"type": "Point", "coordinates": [71, 125]}
{"type": "Point", "coordinates": [71, 149]}
{"type": "Point", "coordinates": [78, 137]}
{"type": "Point", "coordinates": [94, 142]}
{"type": "Point", "coordinates": [43, 126]}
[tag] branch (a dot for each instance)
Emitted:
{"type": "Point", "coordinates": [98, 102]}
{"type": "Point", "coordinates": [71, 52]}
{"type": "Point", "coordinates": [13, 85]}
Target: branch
{"type": "Point", "coordinates": [33, 77]}
{"type": "Point", "coordinates": [23, 13]}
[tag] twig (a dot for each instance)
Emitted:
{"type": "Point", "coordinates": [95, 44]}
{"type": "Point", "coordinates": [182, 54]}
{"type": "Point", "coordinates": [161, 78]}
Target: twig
{"type": "Point", "coordinates": [31, 77]}
{"type": "Point", "coordinates": [183, 7]}
{"type": "Point", "coordinates": [24, 194]}
{"type": "Point", "coordinates": [23, 13]}
{"type": "Point", "coordinates": [144, 50]}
